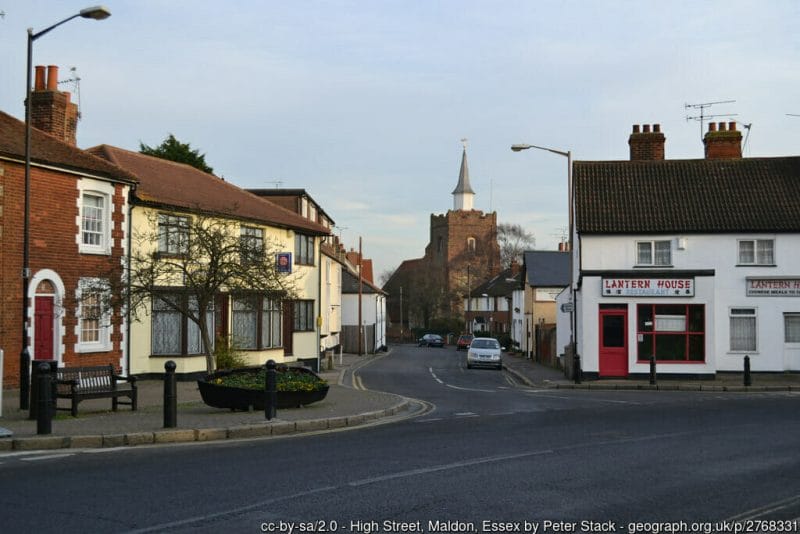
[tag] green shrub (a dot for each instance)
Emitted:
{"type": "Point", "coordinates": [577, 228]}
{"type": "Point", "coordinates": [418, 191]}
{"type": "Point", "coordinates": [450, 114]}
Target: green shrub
{"type": "Point", "coordinates": [227, 354]}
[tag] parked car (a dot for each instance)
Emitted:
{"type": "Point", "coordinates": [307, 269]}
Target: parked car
{"type": "Point", "coordinates": [463, 341]}
{"type": "Point", "coordinates": [484, 352]}
{"type": "Point", "coordinates": [431, 340]}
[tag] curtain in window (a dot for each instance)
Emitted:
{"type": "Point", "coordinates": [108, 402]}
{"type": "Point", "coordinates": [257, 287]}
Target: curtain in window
{"type": "Point", "coordinates": [743, 333]}
{"type": "Point", "coordinates": [747, 252]}
{"type": "Point", "coordinates": [194, 337]}
{"type": "Point", "coordinates": [791, 325]}
{"type": "Point", "coordinates": [166, 329]}
{"type": "Point", "coordinates": [764, 252]}
{"type": "Point", "coordinates": [245, 326]}
{"type": "Point", "coordinates": [663, 250]}
{"type": "Point", "coordinates": [271, 323]}
{"type": "Point", "coordinates": [644, 254]}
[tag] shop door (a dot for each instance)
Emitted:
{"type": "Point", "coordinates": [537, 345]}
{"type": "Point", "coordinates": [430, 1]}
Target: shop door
{"type": "Point", "coordinates": [288, 327]}
{"type": "Point", "coordinates": [613, 343]}
{"type": "Point", "coordinates": [43, 329]}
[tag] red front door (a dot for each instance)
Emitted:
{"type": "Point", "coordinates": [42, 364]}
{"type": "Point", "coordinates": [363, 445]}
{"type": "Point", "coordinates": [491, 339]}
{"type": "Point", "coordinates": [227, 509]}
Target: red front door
{"type": "Point", "coordinates": [613, 343]}
{"type": "Point", "coordinates": [43, 329]}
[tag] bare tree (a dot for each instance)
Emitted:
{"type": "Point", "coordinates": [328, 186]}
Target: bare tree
{"type": "Point", "coordinates": [513, 240]}
{"type": "Point", "coordinates": [183, 262]}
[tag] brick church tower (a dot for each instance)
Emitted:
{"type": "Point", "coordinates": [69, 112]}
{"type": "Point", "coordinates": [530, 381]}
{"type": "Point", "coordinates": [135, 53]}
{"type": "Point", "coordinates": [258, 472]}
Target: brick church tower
{"type": "Point", "coordinates": [461, 253]}
{"type": "Point", "coordinates": [463, 247]}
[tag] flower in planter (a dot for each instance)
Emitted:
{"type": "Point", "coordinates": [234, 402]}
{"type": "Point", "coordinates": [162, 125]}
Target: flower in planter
{"type": "Point", "coordinates": [286, 380]}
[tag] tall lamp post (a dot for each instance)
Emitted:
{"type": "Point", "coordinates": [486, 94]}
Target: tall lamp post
{"type": "Point", "coordinates": [96, 13]}
{"type": "Point", "coordinates": [570, 209]}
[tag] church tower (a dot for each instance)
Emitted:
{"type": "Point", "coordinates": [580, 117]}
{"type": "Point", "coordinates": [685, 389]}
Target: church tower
{"type": "Point", "coordinates": [463, 195]}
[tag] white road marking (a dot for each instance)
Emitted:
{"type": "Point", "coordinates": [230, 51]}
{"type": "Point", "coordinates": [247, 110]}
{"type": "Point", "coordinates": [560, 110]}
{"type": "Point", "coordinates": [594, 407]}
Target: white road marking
{"type": "Point", "coordinates": [47, 457]}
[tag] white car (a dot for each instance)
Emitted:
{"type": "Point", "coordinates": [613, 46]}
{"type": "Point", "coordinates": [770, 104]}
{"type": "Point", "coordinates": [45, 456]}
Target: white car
{"type": "Point", "coordinates": [484, 352]}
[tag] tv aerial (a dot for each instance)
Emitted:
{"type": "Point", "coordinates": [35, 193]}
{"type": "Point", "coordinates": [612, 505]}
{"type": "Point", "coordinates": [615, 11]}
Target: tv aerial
{"type": "Point", "coordinates": [703, 117]}
{"type": "Point", "coordinates": [75, 80]}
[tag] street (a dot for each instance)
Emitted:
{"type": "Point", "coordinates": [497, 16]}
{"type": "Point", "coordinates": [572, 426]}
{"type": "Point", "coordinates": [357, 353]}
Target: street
{"type": "Point", "coordinates": [486, 455]}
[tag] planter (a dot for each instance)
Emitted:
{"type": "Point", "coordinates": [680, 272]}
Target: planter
{"type": "Point", "coordinates": [235, 398]}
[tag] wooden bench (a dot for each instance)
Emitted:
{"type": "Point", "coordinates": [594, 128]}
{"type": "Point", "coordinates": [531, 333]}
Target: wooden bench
{"type": "Point", "coordinates": [98, 382]}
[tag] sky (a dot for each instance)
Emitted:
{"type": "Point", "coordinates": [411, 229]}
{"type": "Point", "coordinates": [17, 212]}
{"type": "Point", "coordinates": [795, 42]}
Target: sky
{"type": "Point", "coordinates": [364, 103]}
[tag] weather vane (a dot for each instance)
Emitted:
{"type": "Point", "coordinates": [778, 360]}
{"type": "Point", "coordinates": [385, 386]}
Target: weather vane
{"type": "Point", "coordinates": [464, 142]}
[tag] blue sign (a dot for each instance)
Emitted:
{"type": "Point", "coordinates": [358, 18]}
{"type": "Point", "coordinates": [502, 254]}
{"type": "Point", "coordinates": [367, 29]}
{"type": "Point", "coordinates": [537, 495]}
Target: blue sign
{"type": "Point", "coordinates": [283, 262]}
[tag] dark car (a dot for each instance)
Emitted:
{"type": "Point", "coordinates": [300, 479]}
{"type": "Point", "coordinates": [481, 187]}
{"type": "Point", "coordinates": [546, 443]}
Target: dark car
{"type": "Point", "coordinates": [431, 340]}
{"type": "Point", "coordinates": [463, 341]}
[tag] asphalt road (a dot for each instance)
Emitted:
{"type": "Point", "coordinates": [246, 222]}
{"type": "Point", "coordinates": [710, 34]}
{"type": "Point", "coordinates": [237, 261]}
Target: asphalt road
{"type": "Point", "coordinates": [487, 455]}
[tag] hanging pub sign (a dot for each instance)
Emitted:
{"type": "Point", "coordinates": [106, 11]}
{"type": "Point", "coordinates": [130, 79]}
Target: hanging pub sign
{"type": "Point", "coordinates": [773, 287]}
{"type": "Point", "coordinates": [647, 287]}
{"type": "Point", "coordinates": [283, 262]}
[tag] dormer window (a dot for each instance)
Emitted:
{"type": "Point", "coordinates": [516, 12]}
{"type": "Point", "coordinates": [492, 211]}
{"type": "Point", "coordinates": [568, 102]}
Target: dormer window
{"type": "Point", "coordinates": [654, 253]}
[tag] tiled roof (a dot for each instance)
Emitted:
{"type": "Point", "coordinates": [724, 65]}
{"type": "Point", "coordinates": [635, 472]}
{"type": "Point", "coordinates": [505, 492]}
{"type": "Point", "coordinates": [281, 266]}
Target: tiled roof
{"type": "Point", "coordinates": [350, 285]}
{"type": "Point", "coordinates": [546, 268]}
{"type": "Point", "coordinates": [733, 195]}
{"type": "Point", "coordinates": [501, 285]}
{"type": "Point", "coordinates": [48, 150]}
{"type": "Point", "coordinates": [168, 183]}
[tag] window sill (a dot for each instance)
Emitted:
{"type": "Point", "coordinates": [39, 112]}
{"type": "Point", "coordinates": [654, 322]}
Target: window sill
{"type": "Point", "coordinates": [95, 251]}
{"type": "Point", "coordinates": [653, 266]}
{"type": "Point", "coordinates": [84, 348]}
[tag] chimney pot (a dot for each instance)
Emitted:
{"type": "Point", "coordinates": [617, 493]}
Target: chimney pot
{"type": "Point", "coordinates": [657, 128]}
{"type": "Point", "coordinates": [732, 126]}
{"type": "Point", "coordinates": [647, 145]}
{"type": "Point", "coordinates": [635, 128]}
{"type": "Point", "coordinates": [712, 126]}
{"type": "Point", "coordinates": [646, 128]}
{"type": "Point", "coordinates": [39, 81]}
{"type": "Point", "coordinates": [722, 127]}
{"type": "Point", "coordinates": [52, 78]}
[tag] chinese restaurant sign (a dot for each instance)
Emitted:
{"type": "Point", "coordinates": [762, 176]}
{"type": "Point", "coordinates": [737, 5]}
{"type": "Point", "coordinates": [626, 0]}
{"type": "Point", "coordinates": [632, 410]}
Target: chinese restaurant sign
{"type": "Point", "coordinates": [648, 287]}
{"type": "Point", "coordinates": [772, 287]}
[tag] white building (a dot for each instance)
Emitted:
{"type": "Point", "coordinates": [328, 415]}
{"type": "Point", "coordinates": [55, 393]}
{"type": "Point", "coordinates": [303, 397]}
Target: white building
{"type": "Point", "coordinates": [695, 262]}
{"type": "Point", "coordinates": [372, 311]}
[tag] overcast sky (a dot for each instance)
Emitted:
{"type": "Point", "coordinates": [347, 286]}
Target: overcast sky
{"type": "Point", "coordinates": [363, 103]}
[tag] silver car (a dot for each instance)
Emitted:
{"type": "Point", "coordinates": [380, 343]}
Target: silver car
{"type": "Point", "coordinates": [484, 352]}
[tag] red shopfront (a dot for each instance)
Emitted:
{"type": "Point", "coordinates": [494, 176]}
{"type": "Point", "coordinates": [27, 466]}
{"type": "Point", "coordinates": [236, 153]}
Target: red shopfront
{"type": "Point", "coordinates": [652, 322]}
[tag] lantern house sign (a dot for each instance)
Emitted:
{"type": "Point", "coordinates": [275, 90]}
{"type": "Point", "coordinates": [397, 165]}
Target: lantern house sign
{"type": "Point", "coordinates": [648, 287]}
{"type": "Point", "coordinates": [773, 287]}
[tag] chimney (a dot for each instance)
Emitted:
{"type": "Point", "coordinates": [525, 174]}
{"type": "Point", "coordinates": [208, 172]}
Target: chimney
{"type": "Point", "coordinates": [646, 145]}
{"type": "Point", "coordinates": [51, 109]}
{"type": "Point", "coordinates": [723, 142]}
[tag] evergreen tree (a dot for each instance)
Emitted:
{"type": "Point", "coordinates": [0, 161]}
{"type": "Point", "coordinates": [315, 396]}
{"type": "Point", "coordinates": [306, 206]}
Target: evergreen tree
{"type": "Point", "coordinates": [174, 150]}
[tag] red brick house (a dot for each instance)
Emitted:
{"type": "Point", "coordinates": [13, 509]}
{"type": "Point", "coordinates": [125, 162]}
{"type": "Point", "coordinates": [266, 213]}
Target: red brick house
{"type": "Point", "coordinates": [77, 231]}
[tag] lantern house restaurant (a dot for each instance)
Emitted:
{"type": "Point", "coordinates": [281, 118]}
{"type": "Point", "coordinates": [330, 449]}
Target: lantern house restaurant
{"type": "Point", "coordinates": [693, 262]}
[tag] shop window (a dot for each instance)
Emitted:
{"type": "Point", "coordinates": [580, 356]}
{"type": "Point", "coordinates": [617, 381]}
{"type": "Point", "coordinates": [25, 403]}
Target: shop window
{"type": "Point", "coordinates": [654, 253]}
{"type": "Point", "coordinates": [743, 329]}
{"type": "Point", "coordinates": [756, 252]}
{"type": "Point", "coordinates": [671, 332]}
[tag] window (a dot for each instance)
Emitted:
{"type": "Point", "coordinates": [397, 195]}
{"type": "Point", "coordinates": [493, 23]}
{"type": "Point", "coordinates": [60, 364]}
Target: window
{"type": "Point", "coordinates": [256, 322]}
{"type": "Point", "coordinates": [304, 315]}
{"type": "Point", "coordinates": [656, 253]}
{"type": "Point", "coordinates": [471, 244]}
{"type": "Point", "coordinates": [671, 332]}
{"type": "Point", "coordinates": [303, 249]}
{"type": "Point", "coordinates": [743, 329]}
{"type": "Point", "coordinates": [173, 332]}
{"type": "Point", "coordinates": [756, 252]}
{"type": "Point", "coordinates": [251, 243]}
{"type": "Point", "coordinates": [173, 234]}
{"type": "Point", "coordinates": [92, 220]}
{"type": "Point", "coordinates": [791, 327]}
{"type": "Point", "coordinates": [94, 322]}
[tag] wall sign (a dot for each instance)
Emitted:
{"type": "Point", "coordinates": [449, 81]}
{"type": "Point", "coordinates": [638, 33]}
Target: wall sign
{"type": "Point", "coordinates": [772, 287]}
{"type": "Point", "coordinates": [283, 262]}
{"type": "Point", "coordinates": [647, 287]}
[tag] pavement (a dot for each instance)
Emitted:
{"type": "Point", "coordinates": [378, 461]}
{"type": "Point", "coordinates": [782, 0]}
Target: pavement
{"type": "Point", "coordinates": [347, 404]}
{"type": "Point", "coordinates": [97, 426]}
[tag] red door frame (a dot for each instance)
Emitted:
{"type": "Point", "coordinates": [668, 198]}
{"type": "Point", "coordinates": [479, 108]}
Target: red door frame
{"type": "Point", "coordinates": [613, 360]}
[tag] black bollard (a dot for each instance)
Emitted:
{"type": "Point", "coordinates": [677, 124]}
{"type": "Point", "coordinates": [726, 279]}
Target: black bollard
{"type": "Point", "coordinates": [170, 396]}
{"type": "Point", "coordinates": [270, 391]}
{"type": "Point", "coordinates": [44, 414]}
{"type": "Point", "coordinates": [653, 370]}
{"type": "Point", "coordinates": [748, 381]}
{"type": "Point", "coordinates": [577, 369]}
{"type": "Point", "coordinates": [25, 378]}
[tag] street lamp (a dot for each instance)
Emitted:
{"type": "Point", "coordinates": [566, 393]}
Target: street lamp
{"type": "Point", "coordinates": [96, 13]}
{"type": "Point", "coordinates": [570, 210]}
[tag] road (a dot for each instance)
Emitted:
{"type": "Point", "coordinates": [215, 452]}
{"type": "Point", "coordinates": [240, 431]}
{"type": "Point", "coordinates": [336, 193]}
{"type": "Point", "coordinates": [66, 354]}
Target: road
{"type": "Point", "coordinates": [487, 455]}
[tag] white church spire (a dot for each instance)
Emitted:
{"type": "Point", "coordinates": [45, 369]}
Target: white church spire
{"type": "Point", "coordinates": [463, 195]}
